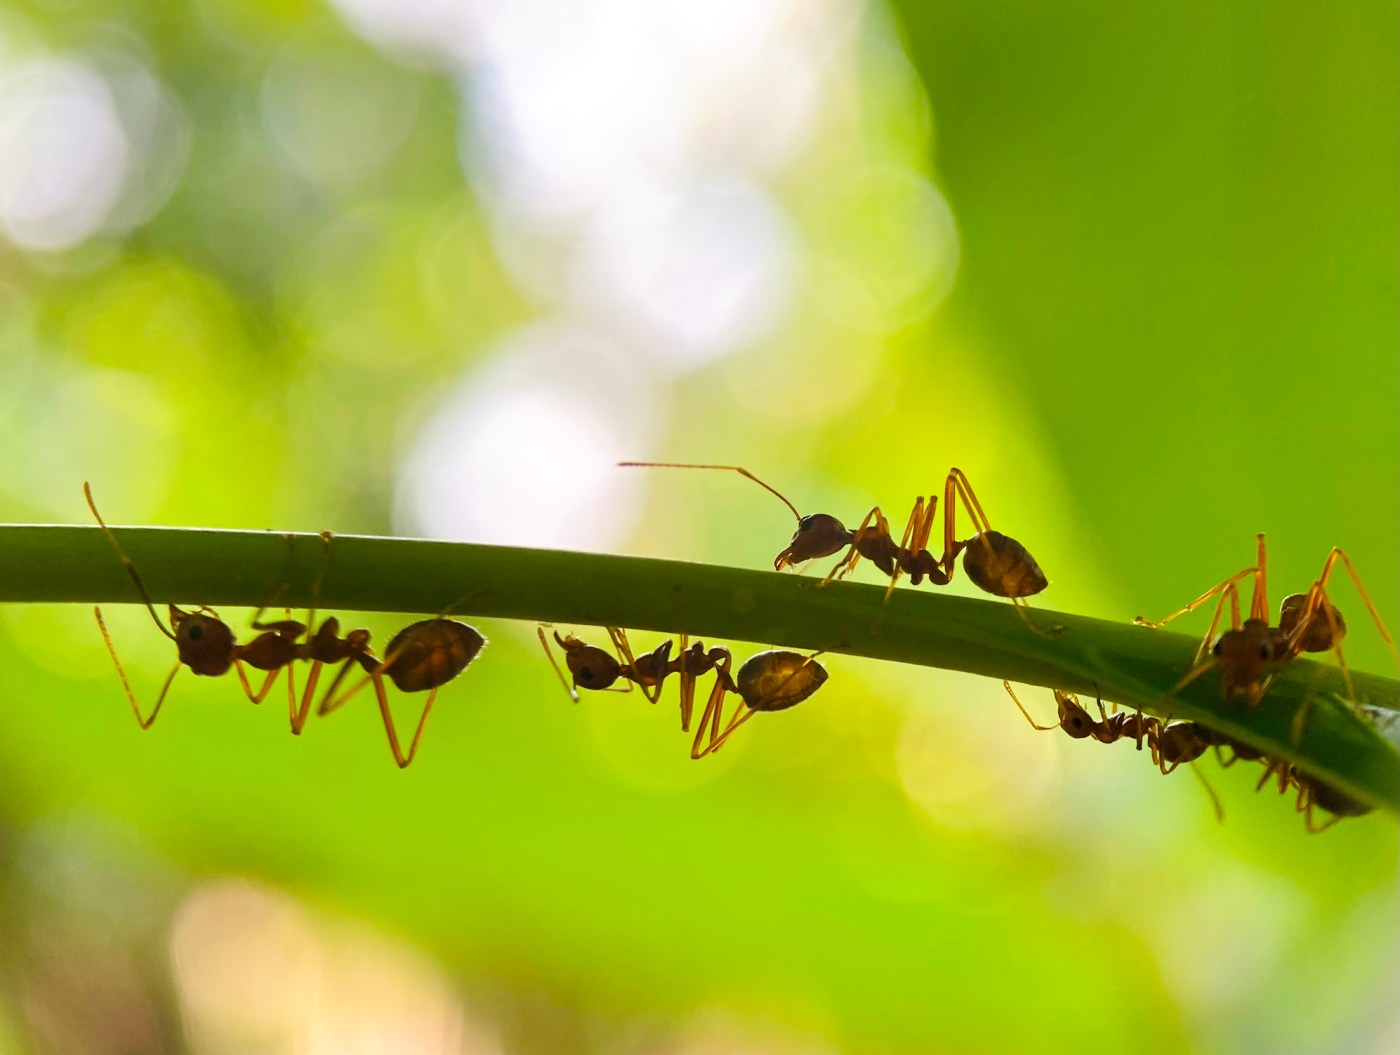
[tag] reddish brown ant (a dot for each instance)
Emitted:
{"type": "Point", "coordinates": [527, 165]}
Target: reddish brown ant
{"type": "Point", "coordinates": [773, 680]}
{"type": "Point", "coordinates": [995, 563]}
{"type": "Point", "coordinates": [203, 641]}
{"type": "Point", "coordinates": [1251, 652]}
{"type": "Point", "coordinates": [1312, 792]}
{"type": "Point", "coordinates": [1171, 743]}
{"type": "Point", "coordinates": [594, 668]}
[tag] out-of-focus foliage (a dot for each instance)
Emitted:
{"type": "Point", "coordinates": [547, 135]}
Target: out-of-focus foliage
{"type": "Point", "coordinates": [430, 268]}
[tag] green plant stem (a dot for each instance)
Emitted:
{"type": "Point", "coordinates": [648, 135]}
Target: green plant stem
{"type": "Point", "coordinates": [1128, 665]}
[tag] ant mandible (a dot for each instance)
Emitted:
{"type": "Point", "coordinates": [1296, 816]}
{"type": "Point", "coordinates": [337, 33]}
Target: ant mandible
{"type": "Point", "coordinates": [996, 563]}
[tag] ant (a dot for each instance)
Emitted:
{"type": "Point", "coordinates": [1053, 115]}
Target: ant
{"type": "Point", "coordinates": [203, 641]}
{"type": "Point", "coordinates": [1250, 653]}
{"type": "Point", "coordinates": [773, 680]}
{"type": "Point", "coordinates": [1171, 743]}
{"type": "Point", "coordinates": [422, 657]}
{"type": "Point", "coordinates": [996, 563]}
{"type": "Point", "coordinates": [594, 668]}
{"type": "Point", "coordinates": [1312, 792]}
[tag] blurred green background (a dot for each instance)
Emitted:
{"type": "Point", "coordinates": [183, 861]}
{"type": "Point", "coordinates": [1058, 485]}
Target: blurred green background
{"type": "Point", "coordinates": [426, 268]}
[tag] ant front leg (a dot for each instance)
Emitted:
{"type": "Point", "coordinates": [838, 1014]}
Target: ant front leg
{"type": "Point", "coordinates": [1021, 707]}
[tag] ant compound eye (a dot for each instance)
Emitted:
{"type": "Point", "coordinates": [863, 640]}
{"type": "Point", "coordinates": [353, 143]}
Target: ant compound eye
{"type": "Point", "coordinates": [1264, 652]}
{"type": "Point", "coordinates": [806, 523]}
{"type": "Point", "coordinates": [196, 632]}
{"type": "Point", "coordinates": [1218, 648]}
{"type": "Point", "coordinates": [585, 674]}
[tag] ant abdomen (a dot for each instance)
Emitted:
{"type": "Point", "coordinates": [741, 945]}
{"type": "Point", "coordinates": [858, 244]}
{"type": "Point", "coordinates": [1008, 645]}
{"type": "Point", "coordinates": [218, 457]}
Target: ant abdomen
{"type": "Point", "coordinates": [1317, 634]}
{"type": "Point", "coordinates": [778, 679]}
{"type": "Point", "coordinates": [999, 565]}
{"type": "Point", "coordinates": [430, 653]}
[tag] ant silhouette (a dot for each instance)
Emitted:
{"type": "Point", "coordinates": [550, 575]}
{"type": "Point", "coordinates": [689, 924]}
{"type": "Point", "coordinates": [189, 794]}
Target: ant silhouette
{"type": "Point", "coordinates": [1312, 793]}
{"type": "Point", "coordinates": [203, 642]}
{"type": "Point", "coordinates": [1171, 743]}
{"type": "Point", "coordinates": [773, 680]}
{"type": "Point", "coordinates": [1251, 652]}
{"type": "Point", "coordinates": [996, 563]}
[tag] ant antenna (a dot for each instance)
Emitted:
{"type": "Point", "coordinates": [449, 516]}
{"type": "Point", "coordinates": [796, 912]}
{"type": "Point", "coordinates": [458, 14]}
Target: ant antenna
{"type": "Point", "coordinates": [732, 468]}
{"type": "Point", "coordinates": [126, 561]}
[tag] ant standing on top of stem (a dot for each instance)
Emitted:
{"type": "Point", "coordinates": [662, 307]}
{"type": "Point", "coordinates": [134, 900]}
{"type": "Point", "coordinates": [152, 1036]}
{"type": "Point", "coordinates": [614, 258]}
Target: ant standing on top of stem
{"type": "Point", "coordinates": [1250, 653]}
{"type": "Point", "coordinates": [995, 563]}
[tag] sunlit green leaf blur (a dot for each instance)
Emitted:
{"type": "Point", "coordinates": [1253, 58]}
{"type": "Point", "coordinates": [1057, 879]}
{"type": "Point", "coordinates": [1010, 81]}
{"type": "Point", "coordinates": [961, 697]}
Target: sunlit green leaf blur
{"type": "Point", "coordinates": [422, 268]}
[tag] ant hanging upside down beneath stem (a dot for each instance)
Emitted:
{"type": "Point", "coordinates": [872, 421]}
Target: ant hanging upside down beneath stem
{"type": "Point", "coordinates": [773, 680]}
{"type": "Point", "coordinates": [423, 656]}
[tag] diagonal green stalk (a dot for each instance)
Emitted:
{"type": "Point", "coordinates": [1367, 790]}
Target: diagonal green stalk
{"type": "Point", "coordinates": [1128, 665]}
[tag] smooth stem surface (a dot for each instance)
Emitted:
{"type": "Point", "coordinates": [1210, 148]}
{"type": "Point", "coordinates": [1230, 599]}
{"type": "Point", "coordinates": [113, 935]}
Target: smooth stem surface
{"type": "Point", "coordinates": [1128, 665]}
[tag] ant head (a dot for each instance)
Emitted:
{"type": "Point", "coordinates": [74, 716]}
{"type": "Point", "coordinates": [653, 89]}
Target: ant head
{"type": "Point", "coordinates": [1244, 656]}
{"type": "Point", "coordinates": [777, 679]}
{"type": "Point", "coordinates": [1074, 719]}
{"type": "Point", "coordinates": [1310, 631]}
{"type": "Point", "coordinates": [818, 535]}
{"type": "Point", "coordinates": [430, 653]}
{"type": "Point", "coordinates": [204, 641]}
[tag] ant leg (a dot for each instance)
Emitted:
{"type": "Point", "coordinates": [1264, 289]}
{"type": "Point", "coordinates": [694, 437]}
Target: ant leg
{"type": "Point", "coordinates": [261, 694]}
{"type": "Point", "coordinates": [1016, 700]}
{"type": "Point", "coordinates": [329, 701]}
{"type": "Point", "coordinates": [622, 648]}
{"type": "Point", "coordinates": [1214, 798]}
{"type": "Point", "coordinates": [144, 723]}
{"type": "Point", "coordinates": [300, 714]}
{"type": "Point", "coordinates": [1259, 602]}
{"type": "Point", "coordinates": [687, 689]}
{"type": "Point", "coordinates": [389, 730]}
{"type": "Point", "coordinates": [549, 654]}
{"type": "Point", "coordinates": [1332, 558]}
{"type": "Point", "coordinates": [848, 561]}
{"type": "Point", "coordinates": [742, 715]}
{"type": "Point", "coordinates": [954, 487]}
{"type": "Point", "coordinates": [714, 710]}
{"type": "Point", "coordinates": [911, 531]}
{"type": "Point", "coordinates": [1157, 624]}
